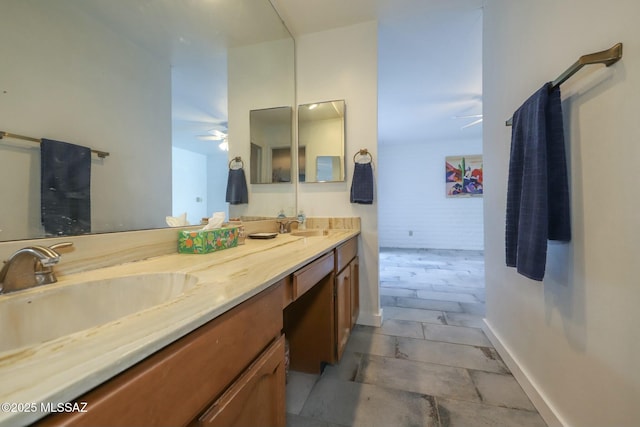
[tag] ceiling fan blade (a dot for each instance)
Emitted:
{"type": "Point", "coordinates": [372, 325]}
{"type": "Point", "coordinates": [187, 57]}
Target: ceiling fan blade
{"type": "Point", "coordinates": [472, 116]}
{"type": "Point", "coordinates": [209, 138]}
{"type": "Point", "coordinates": [473, 123]}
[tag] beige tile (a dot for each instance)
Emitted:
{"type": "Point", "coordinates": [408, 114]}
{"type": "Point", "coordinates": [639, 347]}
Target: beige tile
{"type": "Point", "coordinates": [347, 369]}
{"type": "Point", "coordinates": [407, 283]}
{"type": "Point", "coordinates": [366, 405]}
{"type": "Point", "coordinates": [426, 304]}
{"type": "Point", "coordinates": [473, 308]}
{"type": "Point", "coordinates": [397, 292]}
{"type": "Point", "coordinates": [464, 319]}
{"type": "Point", "coordinates": [501, 390]}
{"type": "Point", "coordinates": [446, 296]}
{"type": "Point", "coordinates": [369, 342]}
{"type": "Point", "coordinates": [455, 334]}
{"type": "Point", "coordinates": [388, 301]}
{"type": "Point", "coordinates": [419, 377]}
{"type": "Point", "coordinates": [415, 315]}
{"type": "Point", "coordinates": [400, 328]}
{"type": "Point", "coordinates": [299, 421]}
{"type": "Point", "coordinates": [457, 413]}
{"type": "Point", "coordinates": [299, 386]}
{"type": "Point", "coordinates": [451, 354]}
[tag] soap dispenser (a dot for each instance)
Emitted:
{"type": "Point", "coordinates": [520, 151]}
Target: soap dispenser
{"type": "Point", "coordinates": [301, 220]}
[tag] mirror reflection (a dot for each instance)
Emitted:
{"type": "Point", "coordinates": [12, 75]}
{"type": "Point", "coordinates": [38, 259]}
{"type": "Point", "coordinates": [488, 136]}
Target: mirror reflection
{"type": "Point", "coordinates": [321, 141]}
{"type": "Point", "coordinates": [149, 82]}
{"type": "Point", "coordinates": [271, 141]}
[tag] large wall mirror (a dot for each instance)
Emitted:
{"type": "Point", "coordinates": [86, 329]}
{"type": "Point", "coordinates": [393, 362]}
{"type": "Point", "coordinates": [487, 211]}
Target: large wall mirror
{"type": "Point", "coordinates": [165, 87]}
{"type": "Point", "coordinates": [271, 142]}
{"type": "Point", "coordinates": [321, 141]}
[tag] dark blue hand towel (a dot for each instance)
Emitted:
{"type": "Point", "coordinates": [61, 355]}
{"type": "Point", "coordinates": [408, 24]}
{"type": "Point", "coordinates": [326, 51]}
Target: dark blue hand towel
{"type": "Point", "coordinates": [538, 191]}
{"type": "Point", "coordinates": [362, 184]}
{"type": "Point", "coordinates": [65, 188]}
{"type": "Point", "coordinates": [237, 192]}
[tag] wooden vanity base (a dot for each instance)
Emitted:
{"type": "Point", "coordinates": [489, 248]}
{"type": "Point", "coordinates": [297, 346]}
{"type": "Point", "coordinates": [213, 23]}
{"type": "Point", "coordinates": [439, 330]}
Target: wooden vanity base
{"type": "Point", "coordinates": [231, 371]}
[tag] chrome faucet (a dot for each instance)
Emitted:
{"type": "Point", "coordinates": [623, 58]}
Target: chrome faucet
{"type": "Point", "coordinates": [29, 267]}
{"type": "Point", "coordinates": [285, 225]}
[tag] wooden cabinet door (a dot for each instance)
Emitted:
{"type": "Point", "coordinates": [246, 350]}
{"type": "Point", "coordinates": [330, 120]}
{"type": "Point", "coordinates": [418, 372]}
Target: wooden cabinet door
{"type": "Point", "coordinates": [355, 291]}
{"type": "Point", "coordinates": [343, 310]}
{"type": "Point", "coordinates": [257, 398]}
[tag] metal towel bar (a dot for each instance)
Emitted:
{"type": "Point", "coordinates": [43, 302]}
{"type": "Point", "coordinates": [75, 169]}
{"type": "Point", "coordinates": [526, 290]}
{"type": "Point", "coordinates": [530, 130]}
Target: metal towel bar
{"type": "Point", "coordinates": [606, 57]}
{"type": "Point", "coordinates": [101, 154]}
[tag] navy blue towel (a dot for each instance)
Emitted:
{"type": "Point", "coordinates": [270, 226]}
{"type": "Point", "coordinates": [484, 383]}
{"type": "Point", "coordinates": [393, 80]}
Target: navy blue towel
{"type": "Point", "coordinates": [65, 188]}
{"type": "Point", "coordinates": [362, 184]}
{"type": "Point", "coordinates": [237, 192]}
{"type": "Point", "coordinates": [538, 190]}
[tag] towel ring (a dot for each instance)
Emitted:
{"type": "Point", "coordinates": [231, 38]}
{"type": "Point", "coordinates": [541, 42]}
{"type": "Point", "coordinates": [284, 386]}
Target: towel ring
{"type": "Point", "coordinates": [237, 160]}
{"type": "Point", "coordinates": [363, 152]}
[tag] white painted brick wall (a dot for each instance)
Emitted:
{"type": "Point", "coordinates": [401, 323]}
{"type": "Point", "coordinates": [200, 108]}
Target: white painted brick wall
{"type": "Point", "coordinates": [412, 198]}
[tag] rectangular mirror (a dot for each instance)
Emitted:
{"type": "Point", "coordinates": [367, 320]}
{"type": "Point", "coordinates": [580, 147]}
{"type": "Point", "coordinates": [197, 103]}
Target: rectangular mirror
{"type": "Point", "coordinates": [271, 141]}
{"type": "Point", "coordinates": [321, 141]}
{"type": "Point", "coordinates": [164, 86]}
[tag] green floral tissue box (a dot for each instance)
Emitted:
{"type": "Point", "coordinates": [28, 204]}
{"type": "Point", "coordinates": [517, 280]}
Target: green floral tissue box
{"type": "Point", "coordinates": [207, 241]}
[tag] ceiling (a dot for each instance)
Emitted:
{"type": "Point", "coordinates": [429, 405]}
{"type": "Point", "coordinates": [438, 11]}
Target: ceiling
{"type": "Point", "coordinates": [328, 110]}
{"type": "Point", "coordinates": [427, 89]}
{"type": "Point", "coordinates": [423, 88]}
{"type": "Point", "coordinates": [194, 37]}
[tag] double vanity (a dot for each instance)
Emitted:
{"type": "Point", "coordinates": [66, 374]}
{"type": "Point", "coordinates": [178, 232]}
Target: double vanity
{"type": "Point", "coordinates": [180, 339]}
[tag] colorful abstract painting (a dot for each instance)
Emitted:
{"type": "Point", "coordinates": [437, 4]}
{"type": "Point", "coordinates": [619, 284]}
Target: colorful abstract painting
{"type": "Point", "coordinates": [464, 176]}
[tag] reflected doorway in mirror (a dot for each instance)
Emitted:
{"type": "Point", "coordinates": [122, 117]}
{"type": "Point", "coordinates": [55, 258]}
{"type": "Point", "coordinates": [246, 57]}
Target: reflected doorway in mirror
{"type": "Point", "coordinates": [321, 139]}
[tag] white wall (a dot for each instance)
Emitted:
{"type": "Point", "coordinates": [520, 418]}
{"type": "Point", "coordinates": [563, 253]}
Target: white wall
{"type": "Point", "coordinates": [342, 64]}
{"type": "Point", "coordinates": [70, 78]}
{"type": "Point", "coordinates": [189, 179]}
{"type": "Point", "coordinates": [199, 184]}
{"type": "Point", "coordinates": [217, 173]}
{"type": "Point", "coordinates": [414, 210]}
{"type": "Point", "coordinates": [575, 337]}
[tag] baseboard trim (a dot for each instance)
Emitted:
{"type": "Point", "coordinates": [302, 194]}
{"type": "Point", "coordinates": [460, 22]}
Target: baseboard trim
{"type": "Point", "coordinates": [546, 410]}
{"type": "Point", "coordinates": [370, 319]}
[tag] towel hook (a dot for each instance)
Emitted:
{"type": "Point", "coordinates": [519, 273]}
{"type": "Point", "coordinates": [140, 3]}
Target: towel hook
{"type": "Point", "coordinates": [363, 152]}
{"type": "Point", "coordinates": [237, 159]}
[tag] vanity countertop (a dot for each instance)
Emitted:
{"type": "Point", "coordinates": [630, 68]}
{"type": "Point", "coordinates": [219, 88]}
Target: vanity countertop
{"type": "Point", "coordinates": [63, 369]}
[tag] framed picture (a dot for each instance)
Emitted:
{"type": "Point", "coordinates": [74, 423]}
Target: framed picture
{"type": "Point", "coordinates": [464, 176]}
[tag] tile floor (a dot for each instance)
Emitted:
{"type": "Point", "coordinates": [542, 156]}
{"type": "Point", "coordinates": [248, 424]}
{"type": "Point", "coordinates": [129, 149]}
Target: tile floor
{"type": "Point", "coordinates": [429, 364]}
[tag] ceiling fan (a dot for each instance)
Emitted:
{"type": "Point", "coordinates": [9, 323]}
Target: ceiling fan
{"type": "Point", "coordinates": [216, 135]}
{"type": "Point", "coordinates": [213, 135]}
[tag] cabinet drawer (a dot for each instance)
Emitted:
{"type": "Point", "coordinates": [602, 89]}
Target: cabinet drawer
{"type": "Point", "coordinates": [257, 398]}
{"type": "Point", "coordinates": [345, 253]}
{"type": "Point", "coordinates": [174, 385]}
{"type": "Point", "coordinates": [305, 278]}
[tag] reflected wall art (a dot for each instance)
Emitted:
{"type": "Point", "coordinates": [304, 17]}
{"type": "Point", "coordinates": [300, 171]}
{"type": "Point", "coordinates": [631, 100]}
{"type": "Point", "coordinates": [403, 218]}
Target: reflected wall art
{"type": "Point", "coordinates": [464, 176]}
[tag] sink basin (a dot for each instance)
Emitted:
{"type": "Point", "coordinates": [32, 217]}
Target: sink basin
{"type": "Point", "coordinates": [310, 233]}
{"type": "Point", "coordinates": [45, 313]}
